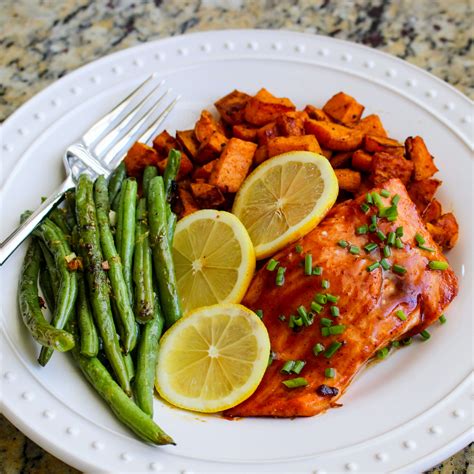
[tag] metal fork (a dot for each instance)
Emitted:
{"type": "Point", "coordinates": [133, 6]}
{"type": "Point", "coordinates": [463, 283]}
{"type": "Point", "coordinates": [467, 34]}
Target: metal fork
{"type": "Point", "coordinates": [102, 147]}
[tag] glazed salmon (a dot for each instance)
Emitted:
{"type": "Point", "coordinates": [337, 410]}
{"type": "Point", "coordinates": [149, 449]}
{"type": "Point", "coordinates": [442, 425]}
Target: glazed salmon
{"type": "Point", "coordinates": [369, 303]}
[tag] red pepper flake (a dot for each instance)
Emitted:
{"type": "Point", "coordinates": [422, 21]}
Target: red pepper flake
{"type": "Point", "coordinates": [105, 265]}
{"type": "Point", "coordinates": [327, 391]}
{"type": "Point", "coordinates": [74, 264]}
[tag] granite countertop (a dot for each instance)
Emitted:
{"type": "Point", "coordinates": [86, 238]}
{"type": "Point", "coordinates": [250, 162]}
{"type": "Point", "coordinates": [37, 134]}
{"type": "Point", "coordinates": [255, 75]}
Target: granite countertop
{"type": "Point", "coordinates": [43, 40]}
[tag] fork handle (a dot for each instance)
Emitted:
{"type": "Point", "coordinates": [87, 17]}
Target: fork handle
{"type": "Point", "coordinates": [10, 244]}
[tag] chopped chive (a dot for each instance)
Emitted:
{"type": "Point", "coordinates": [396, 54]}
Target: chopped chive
{"type": "Point", "coordinates": [373, 266]}
{"type": "Point", "coordinates": [316, 307]}
{"type": "Point", "coordinates": [317, 271]}
{"type": "Point", "coordinates": [400, 269]}
{"type": "Point", "coordinates": [318, 348]}
{"type": "Point", "coordinates": [326, 322]}
{"type": "Point", "coordinates": [368, 198]}
{"type": "Point", "coordinates": [385, 264]}
{"type": "Point", "coordinates": [337, 329]}
{"type": "Point", "coordinates": [420, 240]}
{"type": "Point", "coordinates": [354, 250]}
{"type": "Point", "coordinates": [370, 247]}
{"type": "Point", "coordinates": [399, 231]}
{"type": "Point", "coordinates": [332, 298]}
{"type": "Point", "coordinates": [377, 200]}
{"type": "Point", "coordinates": [364, 207]}
{"type": "Point", "coordinates": [373, 219]}
{"type": "Point", "coordinates": [325, 284]}
{"type": "Point", "coordinates": [298, 367]}
{"type": "Point", "coordinates": [396, 199]}
{"type": "Point", "coordinates": [442, 319]}
{"type": "Point", "coordinates": [400, 314]}
{"type": "Point", "coordinates": [384, 193]}
{"type": "Point", "coordinates": [438, 265]}
{"type": "Point", "coordinates": [295, 383]}
{"type": "Point", "coordinates": [288, 367]}
{"type": "Point", "coordinates": [271, 358]}
{"type": "Point", "coordinates": [386, 251]}
{"type": "Point", "coordinates": [259, 313]}
{"type": "Point", "coordinates": [299, 249]}
{"type": "Point", "coordinates": [382, 353]}
{"type": "Point", "coordinates": [272, 264]}
{"type": "Point", "coordinates": [380, 235]}
{"type": "Point", "coordinates": [302, 311]}
{"type": "Point", "coordinates": [373, 228]}
{"type": "Point", "coordinates": [392, 217]}
{"type": "Point", "coordinates": [428, 249]}
{"type": "Point", "coordinates": [425, 335]}
{"type": "Point", "coordinates": [321, 299]}
{"type": "Point", "coordinates": [280, 277]}
{"type": "Point", "coordinates": [324, 331]}
{"type": "Point", "coordinates": [407, 341]}
{"type": "Point", "coordinates": [395, 343]}
{"type": "Point", "coordinates": [291, 322]}
{"type": "Point", "coordinates": [308, 264]}
{"type": "Point", "coordinates": [343, 243]}
{"type": "Point", "coordinates": [329, 373]}
{"type": "Point", "coordinates": [363, 229]}
{"type": "Point", "coordinates": [282, 317]}
{"type": "Point", "coordinates": [390, 213]}
{"type": "Point", "coordinates": [298, 321]}
{"type": "Point", "coordinates": [332, 349]}
{"type": "Point", "coordinates": [399, 243]}
{"type": "Point", "coordinates": [391, 238]}
{"type": "Point", "coordinates": [334, 311]}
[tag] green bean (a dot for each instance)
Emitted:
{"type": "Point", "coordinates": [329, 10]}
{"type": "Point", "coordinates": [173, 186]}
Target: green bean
{"type": "Point", "coordinates": [43, 332]}
{"type": "Point", "coordinates": [116, 180]}
{"type": "Point", "coordinates": [52, 271]}
{"type": "Point", "coordinates": [162, 257]}
{"type": "Point", "coordinates": [171, 171]}
{"type": "Point", "coordinates": [46, 286]}
{"type": "Point", "coordinates": [58, 216]}
{"type": "Point", "coordinates": [71, 208]}
{"type": "Point", "coordinates": [149, 173]}
{"type": "Point", "coordinates": [89, 339]}
{"type": "Point", "coordinates": [116, 273]}
{"type": "Point", "coordinates": [119, 220]}
{"type": "Point", "coordinates": [129, 365]}
{"type": "Point", "coordinates": [122, 406]}
{"type": "Point", "coordinates": [56, 242]}
{"type": "Point", "coordinates": [125, 234]}
{"type": "Point", "coordinates": [97, 282]}
{"type": "Point", "coordinates": [171, 227]}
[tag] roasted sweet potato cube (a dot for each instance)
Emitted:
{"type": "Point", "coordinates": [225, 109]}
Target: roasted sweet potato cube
{"type": "Point", "coordinates": [261, 154]}
{"type": "Point", "coordinates": [433, 211]}
{"type": "Point", "coordinates": [211, 147]}
{"type": "Point", "coordinates": [265, 107]}
{"type": "Point", "coordinates": [245, 132]}
{"type": "Point", "coordinates": [232, 107]}
{"type": "Point", "coordinates": [207, 196]}
{"type": "Point", "coordinates": [204, 172]}
{"type": "Point", "coordinates": [163, 143]}
{"type": "Point", "coordinates": [327, 153]}
{"type": "Point", "coordinates": [188, 142]}
{"type": "Point", "coordinates": [317, 114]}
{"type": "Point", "coordinates": [422, 192]}
{"type": "Point", "coordinates": [362, 161]}
{"type": "Point", "coordinates": [422, 160]}
{"type": "Point", "coordinates": [186, 203]}
{"type": "Point", "coordinates": [386, 166]}
{"type": "Point", "coordinates": [341, 159]}
{"type": "Point", "coordinates": [444, 230]}
{"type": "Point", "coordinates": [185, 167]}
{"type": "Point", "coordinates": [344, 109]}
{"type": "Point", "coordinates": [206, 126]}
{"type": "Point", "coordinates": [348, 180]}
{"type": "Point", "coordinates": [233, 165]}
{"type": "Point", "coordinates": [372, 125]}
{"type": "Point", "coordinates": [334, 136]}
{"type": "Point", "coordinates": [279, 145]}
{"type": "Point", "coordinates": [291, 124]}
{"type": "Point", "coordinates": [139, 157]}
{"type": "Point", "coordinates": [266, 132]}
{"type": "Point", "coordinates": [374, 143]}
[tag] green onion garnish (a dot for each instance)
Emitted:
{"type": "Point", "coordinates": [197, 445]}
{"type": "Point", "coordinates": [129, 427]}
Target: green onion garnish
{"type": "Point", "coordinates": [395, 343]}
{"type": "Point", "coordinates": [317, 271]}
{"type": "Point", "coordinates": [325, 284]}
{"type": "Point", "coordinates": [363, 229]}
{"type": "Point", "coordinates": [282, 317]}
{"type": "Point", "coordinates": [370, 247]}
{"type": "Point", "coordinates": [368, 198]}
{"type": "Point", "coordinates": [326, 322]}
{"type": "Point", "coordinates": [420, 240]}
{"type": "Point", "coordinates": [382, 353]}
{"type": "Point", "coordinates": [338, 329]}
{"type": "Point", "coordinates": [332, 298]}
{"type": "Point", "coordinates": [295, 383]}
{"type": "Point", "coordinates": [364, 207]}
{"type": "Point", "coordinates": [343, 243]}
{"type": "Point", "coordinates": [280, 277]}
{"type": "Point", "coordinates": [354, 250]}
{"type": "Point", "coordinates": [425, 335]}
{"type": "Point", "coordinates": [302, 311]}
{"type": "Point", "coordinates": [400, 314]}
{"type": "Point", "coordinates": [271, 357]}
{"type": "Point", "coordinates": [272, 264]}
{"type": "Point", "coordinates": [442, 319]}
{"type": "Point", "coordinates": [400, 269]}
{"type": "Point", "coordinates": [384, 193]}
{"type": "Point", "coordinates": [316, 307]}
{"type": "Point", "coordinates": [259, 313]}
{"type": "Point", "coordinates": [298, 249]}
{"type": "Point", "coordinates": [373, 266]}
{"type": "Point", "coordinates": [396, 199]}
{"type": "Point", "coordinates": [329, 373]}
{"type": "Point", "coordinates": [386, 251]}
{"type": "Point", "coordinates": [298, 367]}
{"type": "Point", "coordinates": [291, 322]}
{"type": "Point", "coordinates": [399, 243]}
{"type": "Point", "coordinates": [385, 264]}
{"type": "Point", "coordinates": [377, 200]}
{"type": "Point", "coordinates": [373, 228]}
{"type": "Point", "coordinates": [428, 249]}
{"type": "Point", "coordinates": [380, 235]}
{"type": "Point", "coordinates": [318, 348]}
{"type": "Point", "coordinates": [407, 341]}
{"type": "Point", "coordinates": [321, 299]}
{"type": "Point", "coordinates": [332, 349]}
{"type": "Point", "coordinates": [308, 264]}
{"type": "Point", "coordinates": [399, 231]}
{"type": "Point", "coordinates": [288, 367]}
{"type": "Point", "coordinates": [298, 321]}
{"type": "Point", "coordinates": [438, 265]}
{"type": "Point", "coordinates": [334, 311]}
{"type": "Point", "coordinates": [324, 331]}
{"type": "Point", "coordinates": [373, 219]}
{"type": "Point", "coordinates": [391, 238]}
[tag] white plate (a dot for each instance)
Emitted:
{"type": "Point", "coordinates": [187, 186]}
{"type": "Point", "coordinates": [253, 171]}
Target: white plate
{"type": "Point", "coordinates": [408, 412]}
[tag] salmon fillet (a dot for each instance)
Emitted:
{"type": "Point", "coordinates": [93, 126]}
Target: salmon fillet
{"type": "Point", "coordinates": [368, 302]}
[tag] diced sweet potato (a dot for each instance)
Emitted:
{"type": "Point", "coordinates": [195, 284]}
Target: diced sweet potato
{"type": "Point", "coordinates": [139, 157]}
{"type": "Point", "coordinates": [374, 143]}
{"type": "Point", "coordinates": [185, 167]}
{"type": "Point", "coordinates": [386, 166]}
{"type": "Point", "coordinates": [341, 159]}
{"type": "Point", "coordinates": [163, 143]}
{"type": "Point", "coordinates": [204, 172]}
{"type": "Point", "coordinates": [348, 180]}
{"type": "Point", "coordinates": [372, 125]}
{"type": "Point", "coordinates": [279, 145]}
{"type": "Point", "coordinates": [266, 132]}
{"type": "Point", "coordinates": [186, 205]}
{"type": "Point", "coordinates": [206, 126]}
{"type": "Point", "coordinates": [362, 161]}
{"type": "Point", "coordinates": [207, 196]}
{"type": "Point", "coordinates": [291, 124]}
{"type": "Point", "coordinates": [422, 192]}
{"type": "Point", "coordinates": [232, 107]}
{"type": "Point", "coordinates": [444, 230]}
{"type": "Point", "coordinates": [211, 147]}
{"type": "Point", "coordinates": [433, 211]}
{"type": "Point", "coordinates": [344, 109]}
{"type": "Point", "coordinates": [261, 154]}
{"type": "Point", "coordinates": [327, 153]}
{"type": "Point", "coordinates": [334, 136]}
{"type": "Point", "coordinates": [244, 132]}
{"type": "Point", "coordinates": [422, 160]}
{"type": "Point", "coordinates": [317, 114]}
{"type": "Point", "coordinates": [188, 142]}
{"type": "Point", "coordinates": [233, 165]}
{"type": "Point", "coordinates": [265, 107]}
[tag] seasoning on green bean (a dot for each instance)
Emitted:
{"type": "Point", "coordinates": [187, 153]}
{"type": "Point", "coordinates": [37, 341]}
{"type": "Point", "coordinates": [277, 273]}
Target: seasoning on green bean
{"type": "Point", "coordinates": [116, 180]}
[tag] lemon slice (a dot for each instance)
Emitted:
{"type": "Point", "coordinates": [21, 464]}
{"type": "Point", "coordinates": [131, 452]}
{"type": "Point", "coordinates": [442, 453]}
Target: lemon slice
{"type": "Point", "coordinates": [284, 198]}
{"type": "Point", "coordinates": [214, 259]}
{"type": "Point", "coordinates": [213, 358]}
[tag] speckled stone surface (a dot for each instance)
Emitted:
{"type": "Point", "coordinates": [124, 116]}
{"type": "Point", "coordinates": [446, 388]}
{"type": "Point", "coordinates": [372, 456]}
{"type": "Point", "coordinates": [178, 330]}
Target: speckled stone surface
{"type": "Point", "coordinates": [42, 40]}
